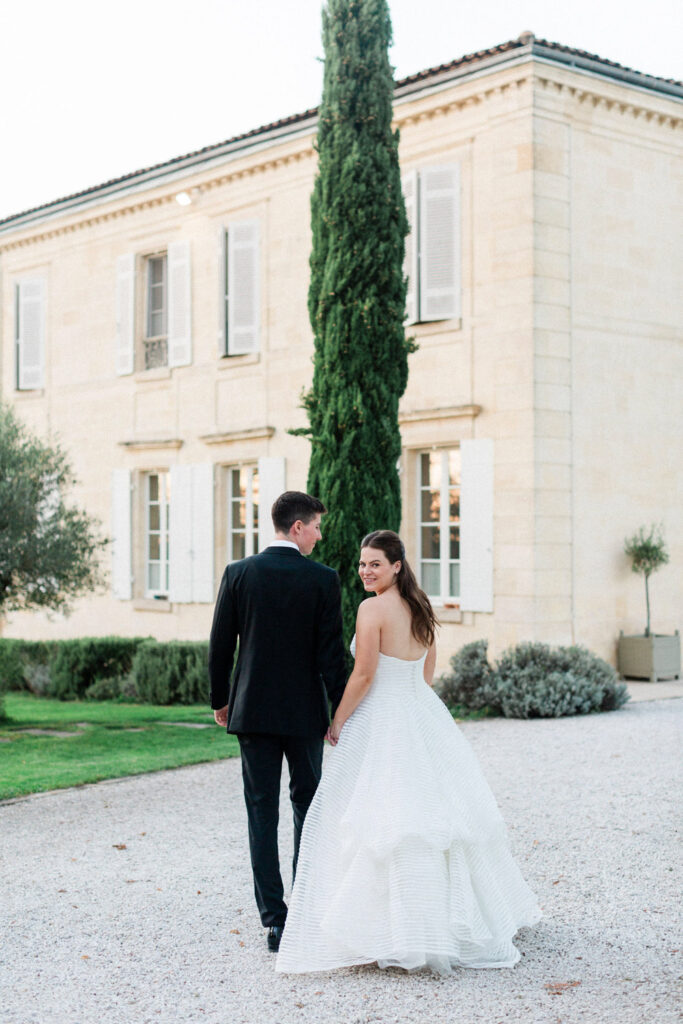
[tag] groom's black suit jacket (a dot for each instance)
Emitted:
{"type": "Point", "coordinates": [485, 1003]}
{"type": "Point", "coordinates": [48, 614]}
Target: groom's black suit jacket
{"type": "Point", "coordinates": [286, 611]}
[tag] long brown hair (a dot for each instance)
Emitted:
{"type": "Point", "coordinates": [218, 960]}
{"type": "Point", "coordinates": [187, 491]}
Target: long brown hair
{"type": "Point", "coordinates": [423, 620]}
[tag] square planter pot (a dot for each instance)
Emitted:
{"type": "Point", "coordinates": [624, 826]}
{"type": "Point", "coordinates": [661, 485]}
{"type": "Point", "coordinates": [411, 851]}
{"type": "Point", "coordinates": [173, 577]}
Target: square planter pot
{"type": "Point", "coordinates": [651, 657]}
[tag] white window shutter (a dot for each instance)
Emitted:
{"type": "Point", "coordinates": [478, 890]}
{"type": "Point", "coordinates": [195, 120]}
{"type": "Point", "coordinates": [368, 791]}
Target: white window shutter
{"type": "Point", "coordinates": [31, 334]}
{"type": "Point", "coordinates": [222, 289]}
{"type": "Point", "coordinates": [439, 219]}
{"type": "Point", "coordinates": [476, 525]}
{"type": "Point", "coordinates": [410, 259]}
{"type": "Point", "coordinates": [121, 528]}
{"type": "Point", "coordinates": [243, 287]}
{"type": "Point", "coordinates": [271, 483]}
{"type": "Point", "coordinates": [125, 314]}
{"type": "Point", "coordinates": [180, 535]}
{"type": "Point", "coordinates": [191, 534]}
{"type": "Point", "coordinates": [179, 304]}
{"type": "Point", "coordinates": [202, 533]}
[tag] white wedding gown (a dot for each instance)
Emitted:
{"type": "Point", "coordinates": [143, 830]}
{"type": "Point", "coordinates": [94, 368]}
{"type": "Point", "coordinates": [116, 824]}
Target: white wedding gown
{"type": "Point", "coordinates": [404, 856]}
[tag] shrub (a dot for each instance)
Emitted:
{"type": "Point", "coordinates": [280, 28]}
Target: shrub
{"type": "Point", "coordinates": [470, 681]}
{"type": "Point", "coordinates": [534, 680]}
{"type": "Point", "coordinates": [172, 673]}
{"type": "Point", "coordinates": [81, 663]}
{"type": "Point", "coordinates": [31, 661]}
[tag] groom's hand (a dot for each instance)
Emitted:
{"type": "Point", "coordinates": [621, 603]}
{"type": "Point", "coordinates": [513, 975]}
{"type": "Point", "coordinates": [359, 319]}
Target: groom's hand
{"type": "Point", "coordinates": [221, 716]}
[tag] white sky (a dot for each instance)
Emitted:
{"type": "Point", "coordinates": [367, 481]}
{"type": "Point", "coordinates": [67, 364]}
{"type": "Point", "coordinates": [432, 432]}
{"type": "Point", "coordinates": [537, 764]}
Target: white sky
{"type": "Point", "coordinates": [90, 91]}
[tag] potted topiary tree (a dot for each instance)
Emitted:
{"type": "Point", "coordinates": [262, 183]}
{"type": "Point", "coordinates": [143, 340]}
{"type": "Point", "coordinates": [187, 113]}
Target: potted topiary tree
{"type": "Point", "coordinates": [650, 656]}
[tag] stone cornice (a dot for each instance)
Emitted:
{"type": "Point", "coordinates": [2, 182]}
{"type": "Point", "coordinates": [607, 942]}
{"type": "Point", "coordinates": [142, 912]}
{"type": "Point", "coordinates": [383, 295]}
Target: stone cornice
{"type": "Point", "coordinates": [446, 412]}
{"type": "Point", "coordinates": [229, 436]}
{"type": "Point", "coordinates": [152, 444]}
{"type": "Point", "coordinates": [588, 94]}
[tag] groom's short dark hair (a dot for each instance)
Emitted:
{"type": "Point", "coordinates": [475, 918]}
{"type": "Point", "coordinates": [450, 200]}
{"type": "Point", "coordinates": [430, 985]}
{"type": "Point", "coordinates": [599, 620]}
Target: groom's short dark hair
{"type": "Point", "coordinates": [293, 505]}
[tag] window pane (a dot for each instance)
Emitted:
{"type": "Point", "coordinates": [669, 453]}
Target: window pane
{"type": "Point", "coordinates": [454, 467]}
{"type": "Point", "coordinates": [430, 541]}
{"type": "Point", "coordinates": [239, 513]}
{"type": "Point", "coordinates": [431, 506]}
{"type": "Point", "coordinates": [255, 542]}
{"type": "Point", "coordinates": [454, 579]}
{"type": "Point", "coordinates": [435, 469]}
{"type": "Point", "coordinates": [454, 505]}
{"type": "Point", "coordinates": [430, 579]}
{"type": "Point", "coordinates": [238, 545]}
{"type": "Point", "coordinates": [454, 542]}
{"type": "Point", "coordinates": [154, 576]}
{"type": "Point", "coordinates": [424, 469]}
{"type": "Point", "coordinates": [156, 271]}
{"type": "Point", "coordinates": [154, 547]}
{"type": "Point", "coordinates": [154, 487]}
{"type": "Point", "coordinates": [154, 518]}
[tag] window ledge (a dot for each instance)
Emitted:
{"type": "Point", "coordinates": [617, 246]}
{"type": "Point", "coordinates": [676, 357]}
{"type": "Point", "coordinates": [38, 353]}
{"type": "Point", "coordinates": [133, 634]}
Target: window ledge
{"type": "Point", "coordinates": [157, 373]}
{"type": "Point", "coordinates": [426, 327]}
{"type": "Point", "coordinates": [27, 393]}
{"type": "Point", "coordinates": [448, 613]}
{"type": "Point", "coordinates": [152, 604]}
{"type": "Point", "coordinates": [230, 362]}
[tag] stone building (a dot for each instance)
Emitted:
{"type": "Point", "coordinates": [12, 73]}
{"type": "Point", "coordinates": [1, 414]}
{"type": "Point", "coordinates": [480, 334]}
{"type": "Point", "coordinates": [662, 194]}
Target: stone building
{"type": "Point", "coordinates": [157, 325]}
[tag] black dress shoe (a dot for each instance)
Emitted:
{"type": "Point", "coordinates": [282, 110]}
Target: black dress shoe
{"type": "Point", "coordinates": [274, 936]}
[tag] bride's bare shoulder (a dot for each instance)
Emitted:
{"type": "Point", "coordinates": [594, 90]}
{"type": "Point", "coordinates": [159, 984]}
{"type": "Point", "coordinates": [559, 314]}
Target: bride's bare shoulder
{"type": "Point", "coordinates": [370, 610]}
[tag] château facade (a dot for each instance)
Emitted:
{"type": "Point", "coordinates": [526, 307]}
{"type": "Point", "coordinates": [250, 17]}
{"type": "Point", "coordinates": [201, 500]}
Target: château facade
{"type": "Point", "coordinates": [157, 325]}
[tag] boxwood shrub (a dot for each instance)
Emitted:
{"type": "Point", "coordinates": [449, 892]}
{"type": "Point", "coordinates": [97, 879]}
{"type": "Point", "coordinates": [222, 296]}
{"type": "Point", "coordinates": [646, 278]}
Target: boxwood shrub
{"type": "Point", "coordinates": [172, 673]}
{"type": "Point", "coordinates": [532, 680]}
{"type": "Point", "coordinates": [78, 664]}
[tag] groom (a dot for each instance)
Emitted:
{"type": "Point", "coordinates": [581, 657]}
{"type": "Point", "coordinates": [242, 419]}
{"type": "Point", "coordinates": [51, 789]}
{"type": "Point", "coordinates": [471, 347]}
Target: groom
{"type": "Point", "coordinates": [286, 611]}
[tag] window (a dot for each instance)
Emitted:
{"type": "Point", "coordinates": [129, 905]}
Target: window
{"type": "Point", "coordinates": [157, 505]}
{"type": "Point", "coordinates": [155, 344]}
{"type": "Point", "coordinates": [240, 309]}
{"type": "Point", "coordinates": [243, 511]}
{"type": "Point", "coordinates": [29, 334]}
{"type": "Point", "coordinates": [439, 524]}
{"type": "Point", "coordinates": [432, 247]}
{"type": "Point", "coordinates": [154, 309]}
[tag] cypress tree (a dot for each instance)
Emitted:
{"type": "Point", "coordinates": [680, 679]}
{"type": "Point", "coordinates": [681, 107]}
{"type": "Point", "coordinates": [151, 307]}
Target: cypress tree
{"type": "Point", "coordinates": [357, 292]}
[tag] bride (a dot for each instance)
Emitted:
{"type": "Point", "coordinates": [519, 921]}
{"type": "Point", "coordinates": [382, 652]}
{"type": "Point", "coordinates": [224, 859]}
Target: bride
{"type": "Point", "coordinates": [404, 856]}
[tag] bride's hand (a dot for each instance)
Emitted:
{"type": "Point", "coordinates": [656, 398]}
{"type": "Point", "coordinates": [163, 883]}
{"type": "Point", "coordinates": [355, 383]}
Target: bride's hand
{"type": "Point", "coordinates": [334, 732]}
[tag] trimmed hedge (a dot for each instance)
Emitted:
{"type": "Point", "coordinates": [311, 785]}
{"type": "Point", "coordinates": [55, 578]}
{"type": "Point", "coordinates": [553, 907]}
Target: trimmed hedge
{"type": "Point", "coordinates": [25, 664]}
{"type": "Point", "coordinates": [81, 663]}
{"type": "Point", "coordinates": [532, 680]}
{"type": "Point", "coordinates": [172, 673]}
{"type": "Point", "coordinates": [108, 668]}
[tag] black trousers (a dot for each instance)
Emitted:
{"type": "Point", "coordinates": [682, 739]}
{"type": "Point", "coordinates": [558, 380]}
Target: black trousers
{"type": "Point", "coordinates": [261, 773]}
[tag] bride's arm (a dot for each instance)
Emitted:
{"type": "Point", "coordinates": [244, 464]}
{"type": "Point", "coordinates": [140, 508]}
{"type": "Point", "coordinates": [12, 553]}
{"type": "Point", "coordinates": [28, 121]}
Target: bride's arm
{"type": "Point", "coordinates": [430, 664]}
{"type": "Point", "coordinates": [368, 623]}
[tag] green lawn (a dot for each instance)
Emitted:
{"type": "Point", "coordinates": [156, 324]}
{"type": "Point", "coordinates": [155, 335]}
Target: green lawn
{"type": "Point", "coordinates": [100, 744]}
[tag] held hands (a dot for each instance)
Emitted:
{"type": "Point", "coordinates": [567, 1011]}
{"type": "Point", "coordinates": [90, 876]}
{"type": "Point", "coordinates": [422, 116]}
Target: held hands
{"type": "Point", "coordinates": [333, 733]}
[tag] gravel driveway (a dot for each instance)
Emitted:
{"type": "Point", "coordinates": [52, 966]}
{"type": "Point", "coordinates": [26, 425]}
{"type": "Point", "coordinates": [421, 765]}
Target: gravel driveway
{"type": "Point", "coordinates": [130, 902]}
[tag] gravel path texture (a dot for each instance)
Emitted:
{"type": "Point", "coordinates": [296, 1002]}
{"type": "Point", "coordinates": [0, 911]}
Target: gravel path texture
{"type": "Point", "coordinates": [131, 901]}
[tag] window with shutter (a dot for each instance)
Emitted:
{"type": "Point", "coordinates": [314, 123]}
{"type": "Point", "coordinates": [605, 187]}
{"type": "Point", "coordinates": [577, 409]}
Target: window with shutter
{"type": "Point", "coordinates": [191, 534]}
{"type": "Point", "coordinates": [243, 511]}
{"type": "Point", "coordinates": [30, 334]}
{"type": "Point", "coordinates": [240, 277]}
{"type": "Point", "coordinates": [125, 314]}
{"type": "Point", "coordinates": [179, 305]}
{"type": "Point", "coordinates": [410, 260]}
{"type": "Point", "coordinates": [438, 489]}
{"type": "Point", "coordinates": [432, 247]}
{"type": "Point", "coordinates": [157, 541]}
{"type": "Point", "coordinates": [121, 521]}
{"type": "Point", "coordinates": [272, 475]}
{"type": "Point", "coordinates": [155, 342]}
